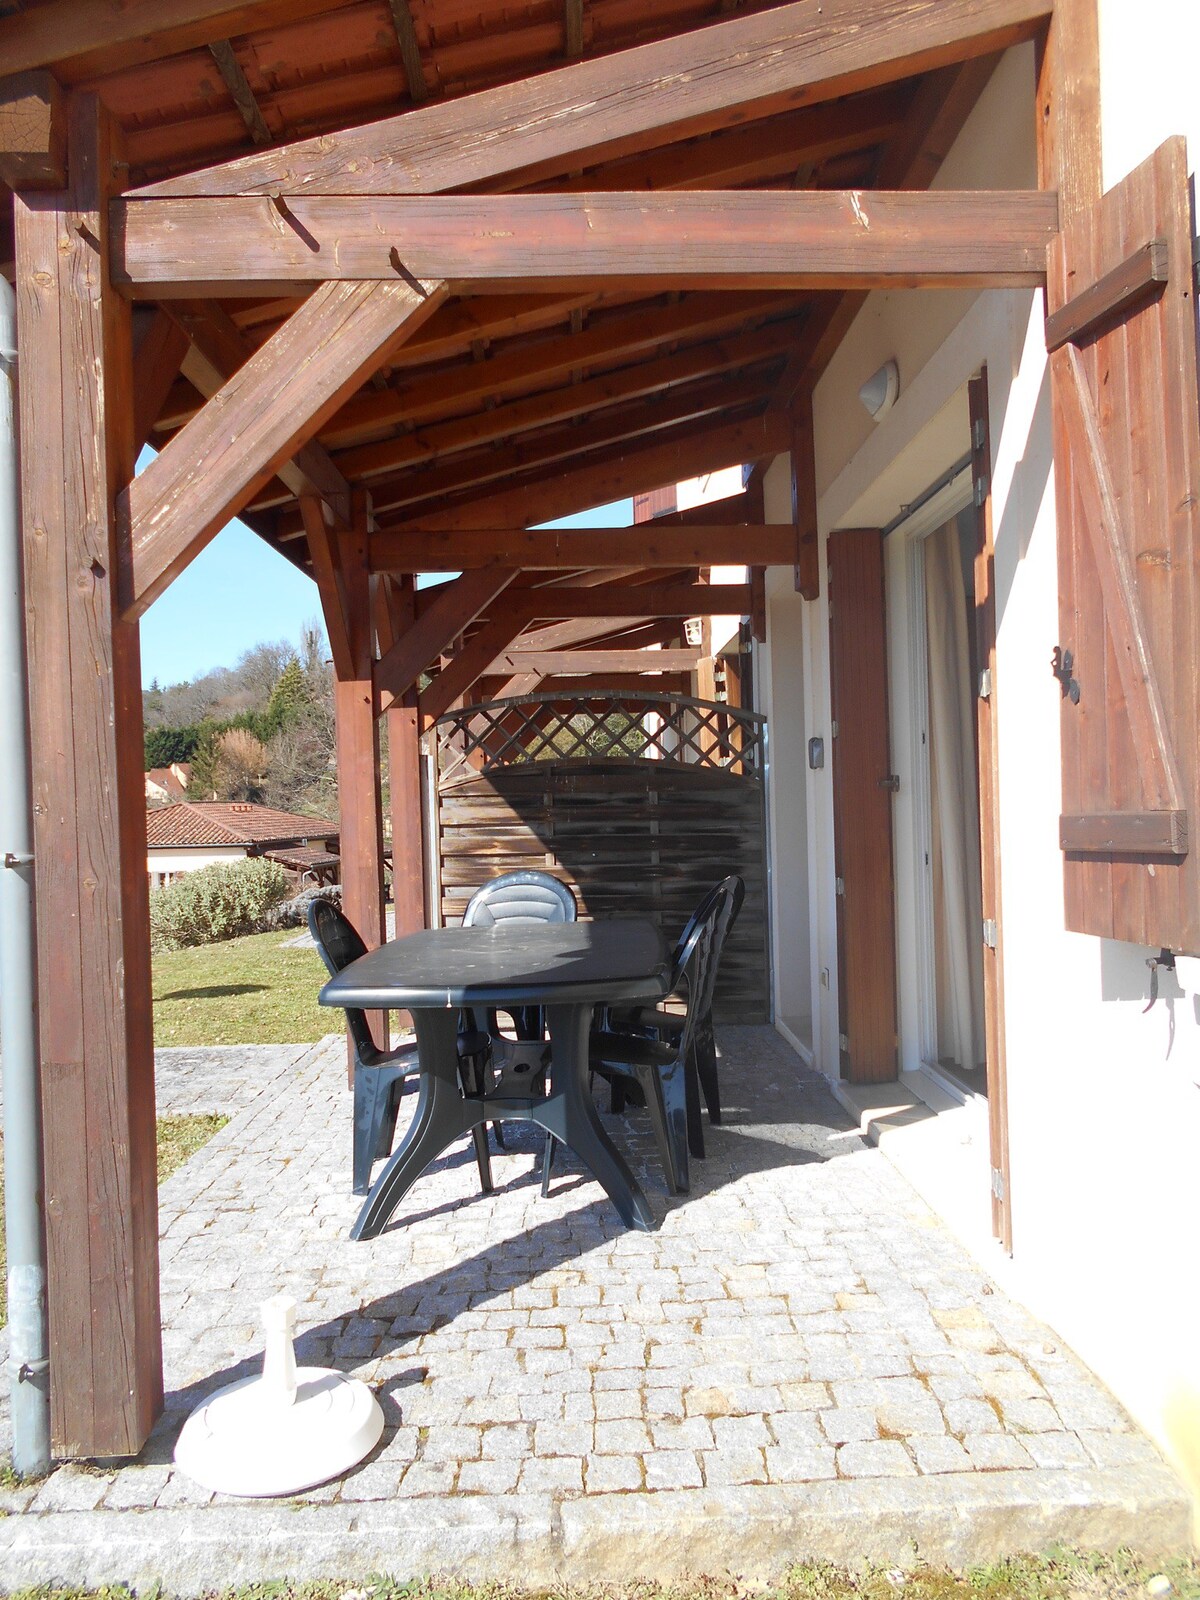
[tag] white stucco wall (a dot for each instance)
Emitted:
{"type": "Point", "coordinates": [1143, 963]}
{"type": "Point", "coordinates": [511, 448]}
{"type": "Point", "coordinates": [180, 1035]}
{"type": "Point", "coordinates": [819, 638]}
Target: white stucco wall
{"type": "Point", "coordinates": [1103, 1100]}
{"type": "Point", "coordinates": [170, 862]}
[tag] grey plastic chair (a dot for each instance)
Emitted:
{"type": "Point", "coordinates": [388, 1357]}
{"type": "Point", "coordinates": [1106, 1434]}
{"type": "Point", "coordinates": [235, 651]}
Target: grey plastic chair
{"type": "Point", "coordinates": [512, 900]}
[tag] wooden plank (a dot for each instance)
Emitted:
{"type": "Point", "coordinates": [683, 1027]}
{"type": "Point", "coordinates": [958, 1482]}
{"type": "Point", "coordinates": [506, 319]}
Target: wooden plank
{"type": "Point", "coordinates": [807, 571]}
{"type": "Point", "coordinates": [1138, 279]}
{"type": "Point", "coordinates": [558, 663]}
{"type": "Point", "coordinates": [511, 372]}
{"type": "Point", "coordinates": [360, 806]}
{"type": "Point", "coordinates": [987, 743]}
{"type": "Point", "coordinates": [862, 805]}
{"type": "Point", "coordinates": [94, 1011]}
{"type": "Point", "coordinates": [507, 422]}
{"type": "Point", "coordinates": [410, 49]}
{"type": "Point", "coordinates": [159, 348]}
{"type": "Point", "coordinates": [418, 550]}
{"type": "Point", "coordinates": [242, 94]}
{"type": "Point", "coordinates": [629, 469]}
{"type": "Point", "coordinates": [1068, 122]}
{"type": "Point", "coordinates": [455, 680]}
{"type": "Point", "coordinates": [642, 600]}
{"type": "Point", "coordinates": [735, 239]}
{"type": "Point", "coordinates": [218, 350]}
{"type": "Point", "coordinates": [689, 83]}
{"type": "Point", "coordinates": [573, 27]}
{"type": "Point", "coordinates": [33, 132]}
{"type": "Point", "coordinates": [432, 632]}
{"type": "Point", "coordinates": [1142, 833]}
{"type": "Point", "coordinates": [610, 433]}
{"type": "Point", "coordinates": [97, 36]}
{"type": "Point", "coordinates": [256, 421]}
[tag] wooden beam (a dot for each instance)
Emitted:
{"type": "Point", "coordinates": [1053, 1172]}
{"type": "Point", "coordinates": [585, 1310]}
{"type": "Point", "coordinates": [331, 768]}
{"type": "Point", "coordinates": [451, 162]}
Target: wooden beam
{"type": "Point", "coordinates": [436, 629]}
{"type": "Point", "coordinates": [560, 663]}
{"type": "Point", "coordinates": [804, 497]}
{"type": "Point", "coordinates": [573, 28]}
{"type": "Point", "coordinates": [159, 348]}
{"type": "Point", "coordinates": [256, 421]}
{"type": "Point", "coordinates": [642, 600]}
{"type": "Point", "coordinates": [507, 422]}
{"type": "Point", "coordinates": [410, 49]}
{"type": "Point", "coordinates": [420, 550]}
{"type": "Point", "coordinates": [396, 614]}
{"type": "Point", "coordinates": [618, 428]}
{"type": "Point", "coordinates": [1069, 158]}
{"type": "Point", "coordinates": [454, 681]}
{"type": "Point", "coordinates": [360, 806]}
{"type": "Point", "coordinates": [414, 399]}
{"type": "Point", "coordinates": [242, 94]}
{"type": "Point", "coordinates": [627, 469]}
{"type": "Point", "coordinates": [326, 568]}
{"type": "Point", "coordinates": [799, 240]}
{"type": "Point", "coordinates": [98, 36]}
{"type": "Point", "coordinates": [218, 350]}
{"type": "Point", "coordinates": [689, 83]}
{"type": "Point", "coordinates": [94, 992]}
{"type": "Point", "coordinates": [33, 132]}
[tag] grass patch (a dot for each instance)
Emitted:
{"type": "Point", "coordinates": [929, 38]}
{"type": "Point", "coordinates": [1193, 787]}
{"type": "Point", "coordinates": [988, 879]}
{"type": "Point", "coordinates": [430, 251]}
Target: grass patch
{"type": "Point", "coordinates": [178, 1138]}
{"type": "Point", "coordinates": [1062, 1575]}
{"type": "Point", "coordinates": [241, 991]}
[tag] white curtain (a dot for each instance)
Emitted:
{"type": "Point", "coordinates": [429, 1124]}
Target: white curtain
{"type": "Point", "coordinates": [957, 893]}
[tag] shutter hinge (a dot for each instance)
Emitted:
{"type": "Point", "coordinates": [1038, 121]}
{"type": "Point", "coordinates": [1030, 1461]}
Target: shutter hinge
{"type": "Point", "coordinates": [839, 885]}
{"type": "Point", "coordinates": [978, 434]}
{"type": "Point", "coordinates": [985, 684]}
{"type": "Point", "coordinates": [989, 932]}
{"type": "Point", "coordinates": [844, 1043]}
{"type": "Point", "coordinates": [982, 485]}
{"type": "Point", "coordinates": [998, 1183]}
{"type": "Point", "coordinates": [833, 729]}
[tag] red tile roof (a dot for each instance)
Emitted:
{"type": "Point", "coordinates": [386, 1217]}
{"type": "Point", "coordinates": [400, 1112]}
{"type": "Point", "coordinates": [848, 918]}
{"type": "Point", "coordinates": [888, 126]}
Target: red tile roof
{"type": "Point", "coordinates": [216, 822]}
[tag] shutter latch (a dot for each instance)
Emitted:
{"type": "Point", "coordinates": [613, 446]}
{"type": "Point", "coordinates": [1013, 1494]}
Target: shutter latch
{"type": "Point", "coordinates": [1062, 663]}
{"type": "Point", "coordinates": [1164, 959]}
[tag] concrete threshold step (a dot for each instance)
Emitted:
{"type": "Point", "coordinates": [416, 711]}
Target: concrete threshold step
{"type": "Point", "coordinates": [756, 1532]}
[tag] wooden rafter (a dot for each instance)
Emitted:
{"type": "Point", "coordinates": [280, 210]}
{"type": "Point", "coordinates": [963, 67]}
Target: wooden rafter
{"type": "Point", "coordinates": [549, 548]}
{"type": "Point", "coordinates": [239, 88]}
{"type": "Point", "coordinates": [573, 28]}
{"type": "Point", "coordinates": [559, 663]}
{"type": "Point", "coordinates": [159, 346]}
{"type": "Point", "coordinates": [410, 49]}
{"type": "Point", "coordinates": [256, 421]}
{"type": "Point", "coordinates": [734, 239]}
{"type": "Point", "coordinates": [436, 629]}
{"type": "Point", "coordinates": [455, 679]}
{"type": "Point", "coordinates": [33, 132]}
{"type": "Point", "coordinates": [690, 83]}
{"type": "Point", "coordinates": [641, 600]}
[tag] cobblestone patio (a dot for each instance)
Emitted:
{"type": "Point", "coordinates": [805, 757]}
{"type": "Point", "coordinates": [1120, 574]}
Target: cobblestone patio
{"type": "Point", "coordinates": [801, 1361]}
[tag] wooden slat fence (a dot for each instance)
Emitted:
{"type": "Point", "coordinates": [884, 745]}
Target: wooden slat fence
{"type": "Point", "coordinates": [640, 802]}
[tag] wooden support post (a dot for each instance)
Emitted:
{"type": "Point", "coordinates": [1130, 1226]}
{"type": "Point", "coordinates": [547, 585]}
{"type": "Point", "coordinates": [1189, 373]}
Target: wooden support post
{"type": "Point", "coordinates": [804, 497]}
{"type": "Point", "coordinates": [1069, 157]}
{"type": "Point", "coordinates": [96, 1034]}
{"type": "Point", "coordinates": [360, 803]}
{"type": "Point", "coordinates": [404, 765]}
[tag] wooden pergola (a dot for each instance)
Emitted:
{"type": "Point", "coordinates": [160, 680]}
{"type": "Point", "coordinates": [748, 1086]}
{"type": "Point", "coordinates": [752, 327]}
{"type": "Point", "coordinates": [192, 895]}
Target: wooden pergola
{"type": "Point", "coordinates": [395, 282]}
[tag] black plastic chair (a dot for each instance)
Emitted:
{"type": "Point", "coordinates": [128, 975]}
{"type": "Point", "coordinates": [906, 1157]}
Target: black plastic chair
{"type": "Point", "coordinates": [670, 1055]}
{"type": "Point", "coordinates": [380, 1076]}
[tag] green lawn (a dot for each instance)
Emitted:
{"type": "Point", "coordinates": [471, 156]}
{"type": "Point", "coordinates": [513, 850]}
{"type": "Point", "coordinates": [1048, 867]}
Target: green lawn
{"type": "Point", "coordinates": [243, 991]}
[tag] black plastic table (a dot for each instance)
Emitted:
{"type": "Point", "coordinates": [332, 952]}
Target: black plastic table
{"type": "Point", "coordinates": [567, 968]}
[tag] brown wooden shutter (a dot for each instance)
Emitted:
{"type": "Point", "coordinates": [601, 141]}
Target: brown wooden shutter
{"type": "Point", "coordinates": [1122, 337]}
{"type": "Point", "coordinates": [862, 801]}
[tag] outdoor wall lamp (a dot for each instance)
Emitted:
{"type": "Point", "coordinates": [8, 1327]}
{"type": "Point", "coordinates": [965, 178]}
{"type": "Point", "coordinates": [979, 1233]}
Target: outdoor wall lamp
{"type": "Point", "coordinates": [878, 394]}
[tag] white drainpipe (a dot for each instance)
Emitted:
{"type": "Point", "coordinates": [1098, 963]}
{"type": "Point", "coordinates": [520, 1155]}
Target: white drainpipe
{"type": "Point", "coordinates": [24, 1229]}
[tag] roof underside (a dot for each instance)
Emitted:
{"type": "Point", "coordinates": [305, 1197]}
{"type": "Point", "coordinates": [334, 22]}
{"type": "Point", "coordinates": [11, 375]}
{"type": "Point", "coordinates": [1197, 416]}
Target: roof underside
{"type": "Point", "coordinates": [520, 391]}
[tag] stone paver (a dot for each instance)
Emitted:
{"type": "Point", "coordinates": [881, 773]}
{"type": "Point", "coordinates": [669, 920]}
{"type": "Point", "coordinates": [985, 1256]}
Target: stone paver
{"type": "Point", "coordinates": [799, 1336]}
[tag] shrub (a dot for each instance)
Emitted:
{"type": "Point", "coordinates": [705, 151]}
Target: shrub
{"type": "Point", "coordinates": [217, 902]}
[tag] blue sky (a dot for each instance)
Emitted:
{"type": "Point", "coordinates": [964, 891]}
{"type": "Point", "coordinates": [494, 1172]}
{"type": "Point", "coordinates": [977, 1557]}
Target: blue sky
{"type": "Point", "coordinates": [239, 592]}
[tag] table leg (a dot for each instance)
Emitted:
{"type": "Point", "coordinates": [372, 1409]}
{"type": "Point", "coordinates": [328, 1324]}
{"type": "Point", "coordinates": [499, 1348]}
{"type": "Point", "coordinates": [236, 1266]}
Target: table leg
{"type": "Point", "coordinates": [569, 1113]}
{"type": "Point", "coordinates": [442, 1116]}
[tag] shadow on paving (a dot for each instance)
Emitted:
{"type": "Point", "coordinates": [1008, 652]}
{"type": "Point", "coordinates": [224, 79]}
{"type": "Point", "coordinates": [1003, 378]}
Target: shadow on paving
{"type": "Point", "coordinates": [789, 1124]}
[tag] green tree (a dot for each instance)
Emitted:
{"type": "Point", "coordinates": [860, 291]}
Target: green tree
{"type": "Point", "coordinates": [166, 745]}
{"type": "Point", "coordinates": [289, 697]}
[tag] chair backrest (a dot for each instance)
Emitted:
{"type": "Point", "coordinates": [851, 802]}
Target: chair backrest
{"type": "Point", "coordinates": [520, 897]}
{"type": "Point", "coordinates": [717, 912]}
{"type": "Point", "coordinates": [339, 943]}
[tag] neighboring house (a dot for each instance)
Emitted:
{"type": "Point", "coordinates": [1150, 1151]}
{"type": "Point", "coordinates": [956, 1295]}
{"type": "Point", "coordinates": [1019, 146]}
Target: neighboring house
{"type": "Point", "coordinates": [200, 833]}
{"type": "Point", "coordinates": [166, 785]}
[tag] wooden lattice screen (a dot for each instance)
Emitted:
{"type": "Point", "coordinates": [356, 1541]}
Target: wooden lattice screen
{"type": "Point", "coordinates": [641, 802]}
